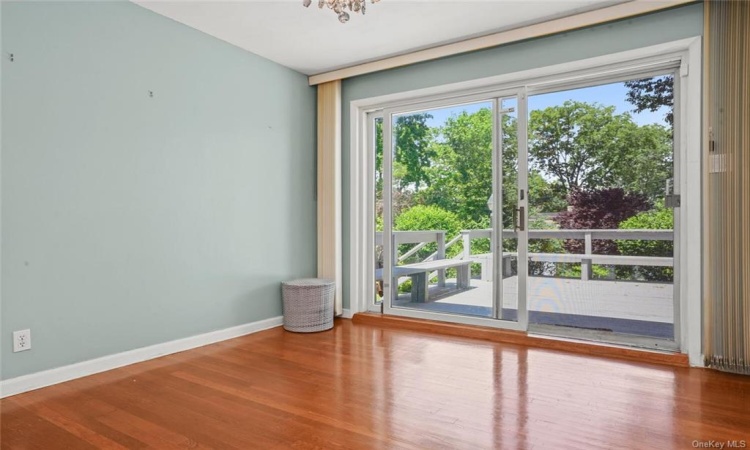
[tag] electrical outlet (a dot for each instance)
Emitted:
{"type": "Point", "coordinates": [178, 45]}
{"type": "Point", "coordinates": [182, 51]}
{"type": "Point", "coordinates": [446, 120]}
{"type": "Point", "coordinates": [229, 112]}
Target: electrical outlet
{"type": "Point", "coordinates": [21, 340]}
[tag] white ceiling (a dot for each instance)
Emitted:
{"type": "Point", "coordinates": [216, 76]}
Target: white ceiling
{"type": "Point", "coordinates": [312, 41]}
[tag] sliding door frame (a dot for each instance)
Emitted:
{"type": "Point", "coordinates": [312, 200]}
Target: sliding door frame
{"type": "Point", "coordinates": [686, 52]}
{"type": "Point", "coordinates": [388, 115]}
{"type": "Point", "coordinates": [677, 69]}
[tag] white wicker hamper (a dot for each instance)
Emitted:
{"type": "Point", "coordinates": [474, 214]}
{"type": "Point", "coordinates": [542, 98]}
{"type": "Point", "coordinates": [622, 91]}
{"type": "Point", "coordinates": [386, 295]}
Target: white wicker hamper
{"type": "Point", "coordinates": [308, 304]}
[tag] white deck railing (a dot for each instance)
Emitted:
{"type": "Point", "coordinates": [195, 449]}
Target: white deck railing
{"type": "Point", "coordinates": [586, 259]}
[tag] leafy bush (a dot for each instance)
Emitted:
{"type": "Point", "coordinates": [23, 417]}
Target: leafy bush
{"type": "Point", "coordinates": [573, 270]}
{"type": "Point", "coordinates": [659, 219]}
{"type": "Point", "coordinates": [404, 287]}
{"type": "Point", "coordinates": [427, 217]}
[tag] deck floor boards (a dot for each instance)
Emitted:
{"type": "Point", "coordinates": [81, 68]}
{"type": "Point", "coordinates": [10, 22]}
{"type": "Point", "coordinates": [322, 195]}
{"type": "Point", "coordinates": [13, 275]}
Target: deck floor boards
{"type": "Point", "coordinates": [631, 308]}
{"type": "Point", "coordinates": [599, 298]}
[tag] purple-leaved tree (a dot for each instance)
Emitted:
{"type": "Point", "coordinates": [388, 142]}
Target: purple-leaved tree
{"type": "Point", "coordinates": [599, 209]}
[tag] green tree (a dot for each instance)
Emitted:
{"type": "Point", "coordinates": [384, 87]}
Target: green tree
{"type": "Point", "coordinates": [588, 146]}
{"type": "Point", "coordinates": [545, 196]}
{"type": "Point", "coordinates": [650, 94]}
{"type": "Point", "coordinates": [647, 163]}
{"type": "Point", "coordinates": [414, 153]}
{"type": "Point", "coordinates": [410, 162]}
{"type": "Point", "coordinates": [461, 175]}
{"type": "Point", "coordinates": [568, 141]}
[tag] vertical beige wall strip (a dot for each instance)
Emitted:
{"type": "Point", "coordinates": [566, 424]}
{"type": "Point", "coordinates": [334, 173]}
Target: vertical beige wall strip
{"type": "Point", "coordinates": [329, 186]}
{"type": "Point", "coordinates": [727, 306]}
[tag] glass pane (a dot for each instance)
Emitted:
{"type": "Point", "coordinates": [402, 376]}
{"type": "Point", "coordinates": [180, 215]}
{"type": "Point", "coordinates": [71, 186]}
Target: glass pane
{"type": "Point", "coordinates": [377, 143]}
{"type": "Point", "coordinates": [600, 162]}
{"type": "Point", "coordinates": [442, 181]}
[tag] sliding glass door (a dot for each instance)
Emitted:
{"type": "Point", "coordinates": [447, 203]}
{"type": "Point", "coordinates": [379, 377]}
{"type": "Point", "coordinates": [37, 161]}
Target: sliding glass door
{"type": "Point", "coordinates": [552, 213]}
{"type": "Point", "coordinates": [454, 205]}
{"type": "Point", "coordinates": [603, 196]}
{"type": "Point", "coordinates": [548, 204]}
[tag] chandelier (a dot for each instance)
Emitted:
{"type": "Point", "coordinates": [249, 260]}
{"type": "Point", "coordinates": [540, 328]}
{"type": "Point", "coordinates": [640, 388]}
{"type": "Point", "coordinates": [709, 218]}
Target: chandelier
{"type": "Point", "coordinates": [340, 7]}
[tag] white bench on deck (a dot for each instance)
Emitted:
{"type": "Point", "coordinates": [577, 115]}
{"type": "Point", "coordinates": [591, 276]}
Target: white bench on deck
{"type": "Point", "coordinates": [419, 275]}
{"type": "Point", "coordinates": [485, 260]}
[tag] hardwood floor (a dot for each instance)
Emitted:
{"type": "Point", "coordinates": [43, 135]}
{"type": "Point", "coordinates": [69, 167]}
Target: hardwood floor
{"type": "Point", "coordinates": [365, 386]}
{"type": "Point", "coordinates": [522, 338]}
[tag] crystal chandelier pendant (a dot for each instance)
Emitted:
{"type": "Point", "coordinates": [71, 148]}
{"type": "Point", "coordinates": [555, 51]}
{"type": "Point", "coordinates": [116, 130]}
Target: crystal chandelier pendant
{"type": "Point", "coordinates": [340, 7]}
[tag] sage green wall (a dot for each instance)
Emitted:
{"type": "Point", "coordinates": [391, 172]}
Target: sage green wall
{"type": "Point", "coordinates": [130, 220]}
{"type": "Point", "coordinates": [665, 26]}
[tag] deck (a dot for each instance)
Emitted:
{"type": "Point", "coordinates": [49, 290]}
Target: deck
{"type": "Point", "coordinates": [638, 308]}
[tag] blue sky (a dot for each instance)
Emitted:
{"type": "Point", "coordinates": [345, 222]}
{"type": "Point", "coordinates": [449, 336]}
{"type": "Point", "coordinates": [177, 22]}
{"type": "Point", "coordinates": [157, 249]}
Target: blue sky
{"type": "Point", "coordinates": [608, 95]}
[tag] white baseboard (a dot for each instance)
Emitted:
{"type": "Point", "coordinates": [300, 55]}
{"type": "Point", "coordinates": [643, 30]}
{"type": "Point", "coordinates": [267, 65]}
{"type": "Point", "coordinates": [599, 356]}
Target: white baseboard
{"type": "Point", "coordinates": [49, 377]}
{"type": "Point", "coordinates": [346, 314]}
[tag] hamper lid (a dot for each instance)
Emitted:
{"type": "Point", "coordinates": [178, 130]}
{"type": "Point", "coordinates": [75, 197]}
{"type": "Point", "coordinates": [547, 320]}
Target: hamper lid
{"type": "Point", "coordinates": [309, 282]}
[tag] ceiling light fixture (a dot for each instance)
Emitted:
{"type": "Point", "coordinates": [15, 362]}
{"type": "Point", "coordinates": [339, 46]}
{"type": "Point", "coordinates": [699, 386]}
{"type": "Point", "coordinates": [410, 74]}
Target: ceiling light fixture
{"type": "Point", "coordinates": [340, 7]}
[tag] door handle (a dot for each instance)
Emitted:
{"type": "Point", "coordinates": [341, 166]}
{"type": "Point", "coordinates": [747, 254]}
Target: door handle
{"type": "Point", "coordinates": [518, 218]}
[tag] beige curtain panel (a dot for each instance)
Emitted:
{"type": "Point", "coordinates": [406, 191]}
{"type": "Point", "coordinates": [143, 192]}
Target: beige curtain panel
{"type": "Point", "coordinates": [329, 188]}
{"type": "Point", "coordinates": [727, 307]}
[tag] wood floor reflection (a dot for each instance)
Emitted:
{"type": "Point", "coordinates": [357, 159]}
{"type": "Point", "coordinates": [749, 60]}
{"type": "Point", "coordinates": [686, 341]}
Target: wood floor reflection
{"type": "Point", "coordinates": [363, 386]}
